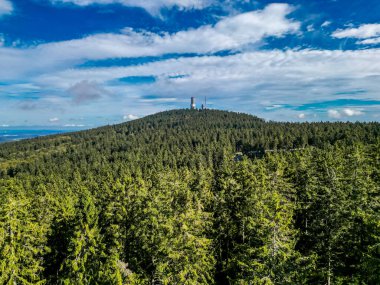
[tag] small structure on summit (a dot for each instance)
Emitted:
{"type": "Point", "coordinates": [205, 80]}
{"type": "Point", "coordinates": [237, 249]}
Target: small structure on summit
{"type": "Point", "coordinates": [204, 104]}
{"type": "Point", "coordinates": [192, 105]}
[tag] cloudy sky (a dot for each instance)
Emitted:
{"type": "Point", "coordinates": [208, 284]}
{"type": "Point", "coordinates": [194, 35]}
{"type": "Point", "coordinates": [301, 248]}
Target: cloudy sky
{"type": "Point", "coordinates": [85, 63]}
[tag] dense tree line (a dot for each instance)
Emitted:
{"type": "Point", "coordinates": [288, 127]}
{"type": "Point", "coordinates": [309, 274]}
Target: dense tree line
{"type": "Point", "coordinates": [164, 200]}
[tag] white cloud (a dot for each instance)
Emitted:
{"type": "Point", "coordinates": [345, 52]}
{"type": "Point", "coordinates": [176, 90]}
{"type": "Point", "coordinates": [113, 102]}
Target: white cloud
{"type": "Point", "coordinates": [352, 112]}
{"type": "Point", "coordinates": [369, 32]}
{"type": "Point", "coordinates": [301, 116]}
{"type": "Point", "coordinates": [326, 24]}
{"type": "Point", "coordinates": [54, 120]}
{"type": "Point", "coordinates": [249, 81]}
{"type": "Point", "coordinates": [130, 117]}
{"type": "Point", "coordinates": [274, 107]}
{"type": "Point", "coordinates": [74, 125]}
{"type": "Point", "coordinates": [86, 91]}
{"type": "Point", "coordinates": [6, 7]}
{"type": "Point", "coordinates": [347, 112]}
{"type": "Point", "coordinates": [152, 6]}
{"type": "Point", "coordinates": [307, 69]}
{"type": "Point", "coordinates": [372, 41]}
{"type": "Point", "coordinates": [231, 33]}
{"type": "Point", "coordinates": [335, 114]}
{"type": "Point", "coordinates": [310, 28]}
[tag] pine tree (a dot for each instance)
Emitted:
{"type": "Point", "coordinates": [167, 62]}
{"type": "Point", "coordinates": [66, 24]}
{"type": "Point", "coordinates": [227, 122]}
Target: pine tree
{"type": "Point", "coordinates": [87, 261]}
{"type": "Point", "coordinates": [167, 234]}
{"type": "Point", "coordinates": [254, 225]}
{"type": "Point", "coordinates": [22, 239]}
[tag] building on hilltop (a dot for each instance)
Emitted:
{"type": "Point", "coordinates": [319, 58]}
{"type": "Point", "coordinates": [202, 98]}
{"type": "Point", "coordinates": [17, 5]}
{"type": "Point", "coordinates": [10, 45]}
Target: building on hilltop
{"type": "Point", "coordinates": [192, 105]}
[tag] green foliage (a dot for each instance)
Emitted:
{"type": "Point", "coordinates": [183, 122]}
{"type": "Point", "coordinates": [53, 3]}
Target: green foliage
{"type": "Point", "coordinates": [22, 239]}
{"type": "Point", "coordinates": [87, 261]}
{"type": "Point", "coordinates": [255, 225]}
{"type": "Point", "coordinates": [193, 197]}
{"type": "Point", "coordinates": [167, 224]}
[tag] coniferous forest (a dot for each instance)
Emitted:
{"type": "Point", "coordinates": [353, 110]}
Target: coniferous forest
{"type": "Point", "coordinates": [193, 197]}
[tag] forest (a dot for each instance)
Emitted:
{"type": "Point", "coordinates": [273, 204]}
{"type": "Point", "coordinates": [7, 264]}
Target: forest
{"type": "Point", "coordinates": [193, 197]}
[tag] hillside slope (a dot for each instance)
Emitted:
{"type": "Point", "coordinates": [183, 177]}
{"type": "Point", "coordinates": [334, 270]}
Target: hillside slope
{"type": "Point", "coordinates": [161, 200]}
{"type": "Point", "coordinates": [180, 137]}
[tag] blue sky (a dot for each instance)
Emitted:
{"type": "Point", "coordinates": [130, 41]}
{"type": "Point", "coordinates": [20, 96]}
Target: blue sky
{"type": "Point", "coordinates": [85, 63]}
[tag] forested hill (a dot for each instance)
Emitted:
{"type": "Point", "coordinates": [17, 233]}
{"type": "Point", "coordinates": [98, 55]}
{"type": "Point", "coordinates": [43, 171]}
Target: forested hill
{"type": "Point", "coordinates": [193, 197]}
{"type": "Point", "coordinates": [181, 138]}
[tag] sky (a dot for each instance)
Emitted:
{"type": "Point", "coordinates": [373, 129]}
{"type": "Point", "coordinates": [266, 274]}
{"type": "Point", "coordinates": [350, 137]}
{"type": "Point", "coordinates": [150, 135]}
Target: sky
{"type": "Point", "coordinates": [86, 63]}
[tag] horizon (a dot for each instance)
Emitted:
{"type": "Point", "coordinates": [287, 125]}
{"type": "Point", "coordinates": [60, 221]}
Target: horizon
{"type": "Point", "coordinates": [10, 134]}
{"type": "Point", "coordinates": [82, 64]}
{"type": "Point", "coordinates": [77, 128]}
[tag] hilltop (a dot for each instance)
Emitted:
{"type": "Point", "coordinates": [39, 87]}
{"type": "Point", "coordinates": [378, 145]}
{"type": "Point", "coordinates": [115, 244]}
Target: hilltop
{"type": "Point", "coordinates": [177, 136]}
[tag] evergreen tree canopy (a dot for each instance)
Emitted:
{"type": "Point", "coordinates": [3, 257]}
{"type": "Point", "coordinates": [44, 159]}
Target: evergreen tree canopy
{"type": "Point", "coordinates": [193, 197]}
